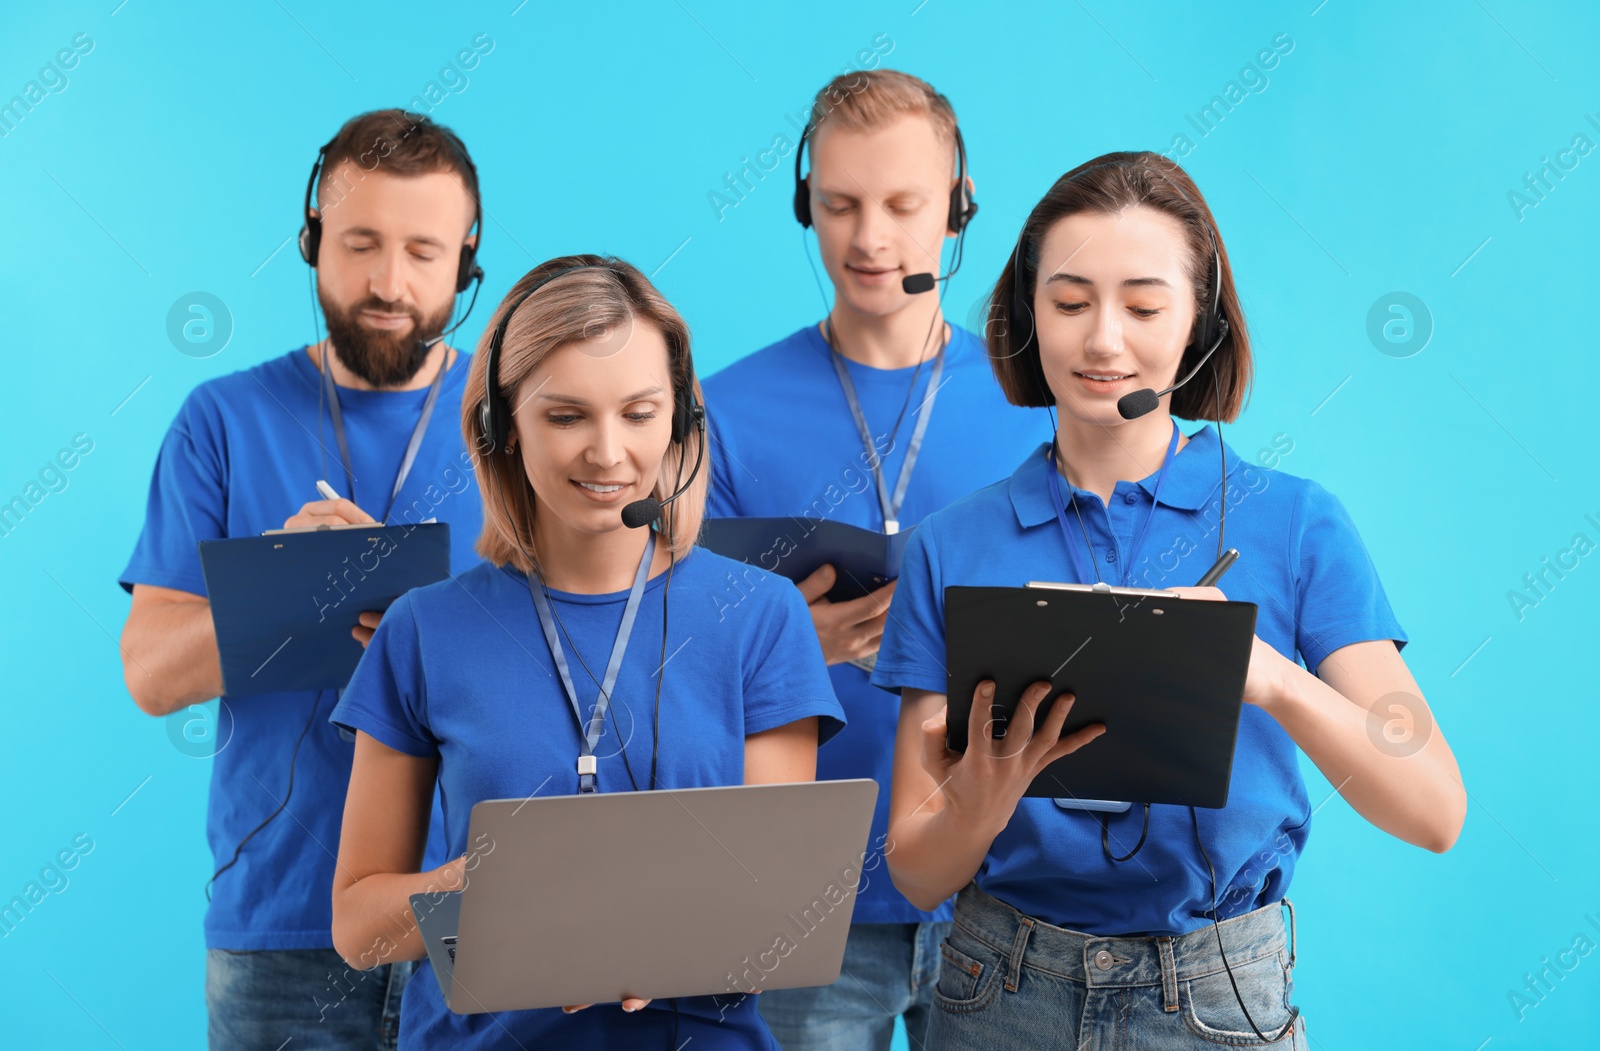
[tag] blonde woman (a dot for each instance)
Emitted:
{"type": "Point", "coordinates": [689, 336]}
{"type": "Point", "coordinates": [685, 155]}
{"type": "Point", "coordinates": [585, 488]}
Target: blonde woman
{"type": "Point", "coordinates": [489, 685]}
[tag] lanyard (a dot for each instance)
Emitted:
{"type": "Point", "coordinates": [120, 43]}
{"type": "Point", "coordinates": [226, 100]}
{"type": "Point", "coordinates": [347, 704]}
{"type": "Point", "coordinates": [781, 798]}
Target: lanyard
{"type": "Point", "coordinates": [414, 444]}
{"type": "Point", "coordinates": [1138, 540]}
{"type": "Point", "coordinates": [587, 764]}
{"type": "Point", "coordinates": [890, 507]}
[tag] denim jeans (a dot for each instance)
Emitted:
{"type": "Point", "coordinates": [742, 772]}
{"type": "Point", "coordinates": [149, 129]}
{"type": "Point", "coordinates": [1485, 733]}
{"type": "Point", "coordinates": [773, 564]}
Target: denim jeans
{"type": "Point", "coordinates": [306, 998]}
{"type": "Point", "coordinates": [1008, 981]}
{"type": "Point", "coordinates": [889, 972]}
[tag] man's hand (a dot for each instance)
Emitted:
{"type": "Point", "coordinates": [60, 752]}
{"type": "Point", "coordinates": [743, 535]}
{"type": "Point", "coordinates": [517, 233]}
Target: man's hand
{"type": "Point", "coordinates": [332, 513]}
{"type": "Point", "coordinates": [369, 624]}
{"type": "Point", "coordinates": [328, 513]}
{"type": "Point", "coordinates": [850, 630]}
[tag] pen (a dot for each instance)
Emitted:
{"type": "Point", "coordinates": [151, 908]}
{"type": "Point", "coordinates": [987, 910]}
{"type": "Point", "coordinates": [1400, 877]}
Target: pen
{"type": "Point", "coordinates": [326, 490]}
{"type": "Point", "coordinates": [1214, 574]}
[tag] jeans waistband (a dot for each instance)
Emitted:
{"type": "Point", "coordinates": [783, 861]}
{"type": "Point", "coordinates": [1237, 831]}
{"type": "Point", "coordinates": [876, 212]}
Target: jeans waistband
{"type": "Point", "coordinates": [1120, 961]}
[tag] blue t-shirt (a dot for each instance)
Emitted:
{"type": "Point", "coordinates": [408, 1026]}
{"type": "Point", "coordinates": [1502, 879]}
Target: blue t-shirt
{"type": "Point", "coordinates": [460, 671]}
{"type": "Point", "coordinates": [786, 443]}
{"type": "Point", "coordinates": [1300, 560]}
{"type": "Point", "coordinates": [240, 458]}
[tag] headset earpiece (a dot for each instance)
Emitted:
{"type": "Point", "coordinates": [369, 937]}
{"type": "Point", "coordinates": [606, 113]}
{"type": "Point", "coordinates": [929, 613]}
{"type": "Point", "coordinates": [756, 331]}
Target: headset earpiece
{"type": "Point", "coordinates": [962, 206]}
{"type": "Point", "coordinates": [961, 214]}
{"type": "Point", "coordinates": [687, 412]}
{"type": "Point", "coordinates": [802, 191]}
{"type": "Point", "coordinates": [687, 415]}
{"type": "Point", "coordinates": [311, 225]}
{"type": "Point", "coordinates": [310, 240]}
{"type": "Point", "coordinates": [494, 417]}
{"type": "Point", "coordinates": [1210, 328]}
{"type": "Point", "coordinates": [1020, 325]}
{"type": "Point", "coordinates": [467, 270]}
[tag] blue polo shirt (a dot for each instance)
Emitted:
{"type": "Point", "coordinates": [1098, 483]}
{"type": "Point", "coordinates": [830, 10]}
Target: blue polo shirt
{"type": "Point", "coordinates": [460, 671]}
{"type": "Point", "coordinates": [785, 442]}
{"type": "Point", "coordinates": [1300, 560]}
{"type": "Point", "coordinates": [240, 458]}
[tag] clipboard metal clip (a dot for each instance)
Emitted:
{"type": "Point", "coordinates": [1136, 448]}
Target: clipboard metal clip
{"type": "Point", "coordinates": [1102, 588]}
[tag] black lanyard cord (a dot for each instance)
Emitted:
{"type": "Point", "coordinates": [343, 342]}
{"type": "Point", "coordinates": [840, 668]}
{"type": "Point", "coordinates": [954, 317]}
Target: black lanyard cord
{"type": "Point", "coordinates": [1105, 836]}
{"type": "Point", "coordinates": [1294, 1012]}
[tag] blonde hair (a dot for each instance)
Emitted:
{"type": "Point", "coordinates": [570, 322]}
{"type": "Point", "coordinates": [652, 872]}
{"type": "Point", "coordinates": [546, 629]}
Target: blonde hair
{"type": "Point", "coordinates": [576, 307]}
{"type": "Point", "coordinates": [871, 98]}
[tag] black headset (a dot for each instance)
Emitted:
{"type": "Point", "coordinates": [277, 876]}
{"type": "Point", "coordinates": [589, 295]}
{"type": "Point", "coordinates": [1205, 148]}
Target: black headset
{"type": "Point", "coordinates": [962, 206]}
{"type": "Point", "coordinates": [467, 270]}
{"type": "Point", "coordinates": [494, 415]}
{"type": "Point", "coordinates": [1211, 327]}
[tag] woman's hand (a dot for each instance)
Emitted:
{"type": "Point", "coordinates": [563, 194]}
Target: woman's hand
{"type": "Point", "coordinates": [452, 875]}
{"type": "Point", "coordinates": [631, 1004]}
{"type": "Point", "coordinates": [984, 784]}
{"type": "Point", "coordinates": [1266, 680]}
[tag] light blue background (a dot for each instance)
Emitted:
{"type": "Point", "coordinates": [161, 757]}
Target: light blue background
{"type": "Point", "coordinates": [1378, 159]}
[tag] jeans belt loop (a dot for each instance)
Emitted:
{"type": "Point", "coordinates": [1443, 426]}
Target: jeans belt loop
{"type": "Point", "coordinates": [1019, 945]}
{"type": "Point", "coordinates": [1293, 939]}
{"type": "Point", "coordinates": [1169, 975]}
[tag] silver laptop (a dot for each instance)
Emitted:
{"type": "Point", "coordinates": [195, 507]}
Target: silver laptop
{"type": "Point", "coordinates": [689, 892]}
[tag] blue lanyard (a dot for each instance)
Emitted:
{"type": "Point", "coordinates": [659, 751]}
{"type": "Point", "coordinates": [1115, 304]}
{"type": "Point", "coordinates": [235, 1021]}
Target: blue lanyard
{"type": "Point", "coordinates": [414, 444]}
{"type": "Point", "coordinates": [1073, 541]}
{"type": "Point", "coordinates": [890, 506]}
{"type": "Point", "coordinates": [587, 764]}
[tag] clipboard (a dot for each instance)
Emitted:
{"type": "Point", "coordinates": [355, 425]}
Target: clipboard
{"type": "Point", "coordinates": [865, 559]}
{"type": "Point", "coordinates": [283, 603]}
{"type": "Point", "coordinates": [1164, 674]}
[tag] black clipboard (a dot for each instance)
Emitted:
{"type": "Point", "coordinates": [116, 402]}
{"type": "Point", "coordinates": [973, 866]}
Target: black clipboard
{"type": "Point", "coordinates": [283, 603]}
{"type": "Point", "coordinates": [864, 559]}
{"type": "Point", "coordinates": [1164, 674]}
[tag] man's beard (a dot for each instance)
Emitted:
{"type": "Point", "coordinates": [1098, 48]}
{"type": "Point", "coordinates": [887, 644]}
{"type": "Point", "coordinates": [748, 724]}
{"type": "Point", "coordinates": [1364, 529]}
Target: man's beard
{"type": "Point", "coordinates": [381, 358]}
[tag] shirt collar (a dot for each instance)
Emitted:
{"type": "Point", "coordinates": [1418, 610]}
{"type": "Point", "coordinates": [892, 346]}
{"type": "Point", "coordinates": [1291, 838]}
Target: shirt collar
{"type": "Point", "coordinates": [1196, 476]}
{"type": "Point", "coordinates": [955, 350]}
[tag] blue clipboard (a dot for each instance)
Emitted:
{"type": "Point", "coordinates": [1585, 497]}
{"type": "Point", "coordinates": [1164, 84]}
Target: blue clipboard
{"type": "Point", "coordinates": [283, 603]}
{"type": "Point", "coordinates": [865, 559]}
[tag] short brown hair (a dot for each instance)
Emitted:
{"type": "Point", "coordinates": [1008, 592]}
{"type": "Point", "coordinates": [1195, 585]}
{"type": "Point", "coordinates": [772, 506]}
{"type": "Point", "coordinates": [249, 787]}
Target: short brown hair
{"type": "Point", "coordinates": [401, 143]}
{"type": "Point", "coordinates": [1106, 185]}
{"type": "Point", "coordinates": [569, 310]}
{"type": "Point", "coordinates": [865, 99]}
